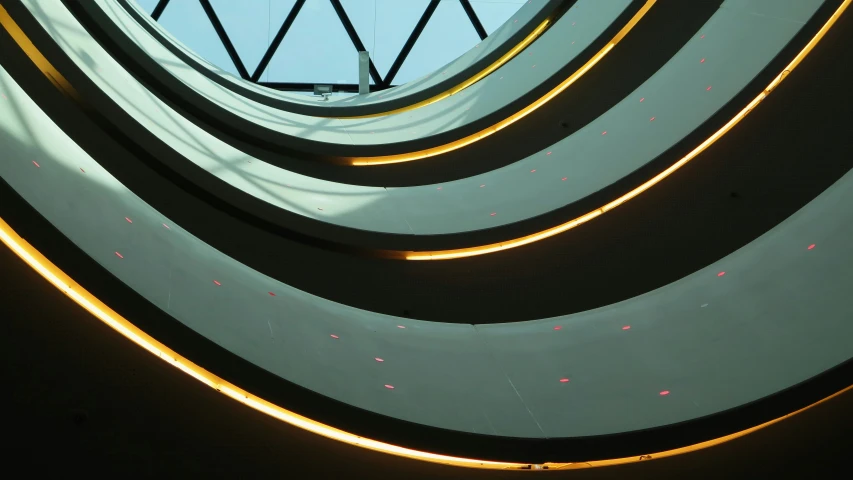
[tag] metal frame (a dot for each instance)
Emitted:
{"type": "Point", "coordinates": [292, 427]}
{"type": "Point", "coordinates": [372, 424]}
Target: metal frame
{"type": "Point", "coordinates": [410, 42]}
{"type": "Point", "coordinates": [158, 10]}
{"type": "Point", "coordinates": [226, 42]}
{"type": "Point", "coordinates": [472, 15]}
{"type": "Point", "coordinates": [276, 41]}
{"type": "Point", "coordinates": [356, 41]}
{"type": "Point", "coordinates": [380, 83]}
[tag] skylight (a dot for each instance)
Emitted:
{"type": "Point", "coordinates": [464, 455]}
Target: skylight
{"type": "Point", "coordinates": [319, 42]}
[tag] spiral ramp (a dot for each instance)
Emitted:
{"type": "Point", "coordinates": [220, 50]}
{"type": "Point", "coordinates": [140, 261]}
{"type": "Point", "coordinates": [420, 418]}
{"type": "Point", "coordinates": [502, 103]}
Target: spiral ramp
{"type": "Point", "coordinates": [613, 232]}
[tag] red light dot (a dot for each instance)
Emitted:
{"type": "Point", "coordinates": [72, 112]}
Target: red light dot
{"type": "Point", "coordinates": [708, 89]}
{"type": "Point", "coordinates": [643, 99]}
{"type": "Point", "coordinates": [36, 164]}
{"type": "Point", "coordinates": [626, 327]}
{"type": "Point", "coordinates": [702, 61]}
{"type": "Point", "coordinates": [549, 153]}
{"type": "Point", "coordinates": [493, 214]}
{"type": "Point", "coordinates": [119, 255]}
{"type": "Point", "coordinates": [652, 119]}
{"type": "Point", "coordinates": [84, 171]}
{"type": "Point", "coordinates": [400, 326]}
{"type": "Point", "coordinates": [271, 294]}
{"type": "Point", "coordinates": [533, 171]}
{"type": "Point", "coordinates": [565, 178]}
{"type": "Point", "coordinates": [334, 336]}
{"type": "Point", "coordinates": [217, 283]}
{"type": "Point", "coordinates": [604, 132]}
{"type": "Point", "coordinates": [128, 220]}
{"type": "Point", "coordinates": [564, 380]}
{"type": "Point", "coordinates": [664, 393]}
{"type": "Point", "coordinates": [703, 36]}
{"type": "Point", "coordinates": [811, 246]}
{"type": "Point", "coordinates": [721, 274]}
{"type": "Point", "coordinates": [379, 360]}
{"type": "Point", "coordinates": [167, 227]}
{"type": "Point", "coordinates": [558, 327]}
{"type": "Point", "coordinates": [389, 387]}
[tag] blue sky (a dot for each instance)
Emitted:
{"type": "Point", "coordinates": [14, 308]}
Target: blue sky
{"type": "Point", "coordinates": [317, 48]}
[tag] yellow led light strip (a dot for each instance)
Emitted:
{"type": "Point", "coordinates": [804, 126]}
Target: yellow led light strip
{"type": "Point", "coordinates": [58, 80]}
{"type": "Point", "coordinates": [496, 247]}
{"type": "Point", "coordinates": [97, 308]}
{"type": "Point", "coordinates": [431, 152]}
{"type": "Point", "coordinates": [467, 83]}
{"type": "Point", "coordinates": [90, 303]}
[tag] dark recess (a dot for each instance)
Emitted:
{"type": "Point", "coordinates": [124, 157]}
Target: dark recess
{"type": "Point", "coordinates": [82, 394]}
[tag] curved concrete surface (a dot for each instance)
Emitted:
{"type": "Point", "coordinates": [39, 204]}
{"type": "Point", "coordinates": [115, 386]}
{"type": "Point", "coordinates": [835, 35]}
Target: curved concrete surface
{"type": "Point", "coordinates": [528, 17]}
{"type": "Point", "coordinates": [770, 315]}
{"type": "Point", "coordinates": [734, 46]}
{"type": "Point", "coordinates": [475, 108]}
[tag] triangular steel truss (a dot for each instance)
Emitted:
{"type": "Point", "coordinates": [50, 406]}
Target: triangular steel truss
{"type": "Point", "coordinates": [380, 83]}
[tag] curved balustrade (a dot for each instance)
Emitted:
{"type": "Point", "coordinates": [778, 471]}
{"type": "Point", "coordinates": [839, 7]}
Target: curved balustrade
{"type": "Point", "coordinates": [644, 362]}
{"type": "Point", "coordinates": [734, 46]}
{"type": "Point", "coordinates": [508, 89]}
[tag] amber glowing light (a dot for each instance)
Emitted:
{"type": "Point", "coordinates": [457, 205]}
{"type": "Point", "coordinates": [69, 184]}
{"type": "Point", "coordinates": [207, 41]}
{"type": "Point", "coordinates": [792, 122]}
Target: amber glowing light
{"type": "Point", "coordinates": [431, 152]}
{"type": "Point", "coordinates": [518, 242]}
{"type": "Point", "coordinates": [86, 300]}
{"type": "Point", "coordinates": [89, 302]}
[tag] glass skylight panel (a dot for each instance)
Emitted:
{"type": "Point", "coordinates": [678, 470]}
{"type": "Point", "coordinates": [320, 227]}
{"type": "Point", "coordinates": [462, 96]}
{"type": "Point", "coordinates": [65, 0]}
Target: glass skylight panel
{"type": "Point", "coordinates": [317, 47]}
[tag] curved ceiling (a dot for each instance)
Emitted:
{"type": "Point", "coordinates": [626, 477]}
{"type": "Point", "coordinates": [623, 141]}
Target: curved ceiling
{"type": "Point", "coordinates": [657, 37]}
{"type": "Point", "coordinates": [297, 264]}
{"type": "Point", "coordinates": [505, 196]}
{"type": "Point", "coordinates": [643, 362]}
{"type": "Point", "coordinates": [306, 135]}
